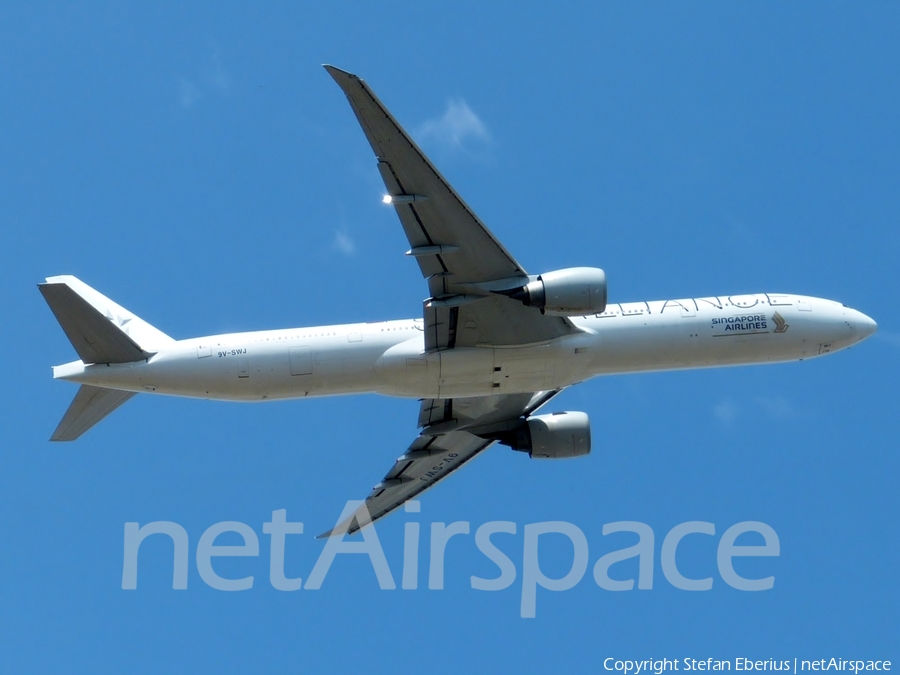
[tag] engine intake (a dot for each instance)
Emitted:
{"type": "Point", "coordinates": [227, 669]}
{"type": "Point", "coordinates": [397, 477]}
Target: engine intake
{"type": "Point", "coordinates": [569, 292]}
{"type": "Point", "coordinates": [555, 436]}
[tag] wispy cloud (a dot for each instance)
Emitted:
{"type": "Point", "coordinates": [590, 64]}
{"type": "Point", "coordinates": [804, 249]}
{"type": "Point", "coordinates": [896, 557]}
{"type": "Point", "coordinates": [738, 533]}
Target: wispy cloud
{"type": "Point", "coordinates": [725, 411]}
{"type": "Point", "coordinates": [188, 93]}
{"type": "Point", "coordinates": [344, 244]}
{"type": "Point", "coordinates": [890, 338]}
{"type": "Point", "coordinates": [459, 128]}
{"type": "Point", "coordinates": [212, 78]}
{"type": "Point", "coordinates": [775, 407]}
{"type": "Point", "coordinates": [218, 78]}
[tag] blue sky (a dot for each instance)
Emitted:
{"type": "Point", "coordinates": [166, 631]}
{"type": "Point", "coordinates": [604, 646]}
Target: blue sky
{"type": "Point", "coordinates": [196, 164]}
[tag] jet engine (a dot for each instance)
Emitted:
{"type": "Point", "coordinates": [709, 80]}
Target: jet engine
{"type": "Point", "coordinates": [556, 436]}
{"type": "Point", "coordinates": [573, 291]}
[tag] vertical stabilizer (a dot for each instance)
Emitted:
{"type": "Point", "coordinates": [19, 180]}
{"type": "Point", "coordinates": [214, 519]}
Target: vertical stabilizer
{"type": "Point", "coordinates": [147, 336]}
{"type": "Point", "coordinates": [100, 330]}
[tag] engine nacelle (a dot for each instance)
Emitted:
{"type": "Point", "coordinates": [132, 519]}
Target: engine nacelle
{"type": "Point", "coordinates": [573, 291]}
{"type": "Point", "coordinates": [555, 436]}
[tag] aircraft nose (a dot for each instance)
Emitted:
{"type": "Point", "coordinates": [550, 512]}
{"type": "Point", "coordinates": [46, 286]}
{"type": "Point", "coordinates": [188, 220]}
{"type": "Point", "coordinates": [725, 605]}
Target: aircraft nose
{"type": "Point", "coordinates": [862, 325]}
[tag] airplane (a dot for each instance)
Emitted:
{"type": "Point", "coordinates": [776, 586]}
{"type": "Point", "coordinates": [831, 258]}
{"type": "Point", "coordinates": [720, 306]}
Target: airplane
{"type": "Point", "coordinates": [494, 343]}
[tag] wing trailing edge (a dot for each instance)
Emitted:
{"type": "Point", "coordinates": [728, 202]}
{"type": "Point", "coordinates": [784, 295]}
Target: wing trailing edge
{"type": "Point", "coordinates": [451, 437]}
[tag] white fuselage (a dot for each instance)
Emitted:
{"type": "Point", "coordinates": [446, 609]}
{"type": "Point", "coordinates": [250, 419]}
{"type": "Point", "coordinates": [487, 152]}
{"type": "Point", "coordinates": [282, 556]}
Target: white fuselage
{"type": "Point", "coordinates": [389, 357]}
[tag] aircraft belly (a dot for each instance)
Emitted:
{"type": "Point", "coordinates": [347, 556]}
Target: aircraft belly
{"type": "Point", "coordinates": [401, 370]}
{"type": "Point", "coordinates": [405, 369]}
{"type": "Point", "coordinates": [481, 371]}
{"type": "Point", "coordinates": [391, 359]}
{"type": "Point", "coordinates": [252, 373]}
{"type": "Point", "coordinates": [475, 371]}
{"type": "Point", "coordinates": [520, 369]}
{"type": "Point", "coordinates": [467, 371]}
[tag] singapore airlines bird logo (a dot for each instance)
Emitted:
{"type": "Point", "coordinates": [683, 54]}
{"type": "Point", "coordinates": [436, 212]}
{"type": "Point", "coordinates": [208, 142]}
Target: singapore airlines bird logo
{"type": "Point", "coordinates": [780, 325]}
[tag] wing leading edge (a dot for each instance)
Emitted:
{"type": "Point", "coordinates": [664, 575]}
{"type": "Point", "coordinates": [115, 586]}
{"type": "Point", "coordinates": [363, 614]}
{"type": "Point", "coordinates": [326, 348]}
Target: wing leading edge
{"type": "Point", "coordinates": [445, 236]}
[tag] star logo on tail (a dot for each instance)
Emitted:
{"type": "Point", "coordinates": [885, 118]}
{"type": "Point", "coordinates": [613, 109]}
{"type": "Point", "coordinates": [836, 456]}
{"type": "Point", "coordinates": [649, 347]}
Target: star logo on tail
{"type": "Point", "coordinates": [119, 320]}
{"type": "Point", "coordinates": [780, 325]}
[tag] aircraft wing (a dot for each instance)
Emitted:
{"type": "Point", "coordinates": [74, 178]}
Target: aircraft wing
{"type": "Point", "coordinates": [444, 233]}
{"type": "Point", "coordinates": [449, 440]}
{"type": "Point", "coordinates": [464, 264]}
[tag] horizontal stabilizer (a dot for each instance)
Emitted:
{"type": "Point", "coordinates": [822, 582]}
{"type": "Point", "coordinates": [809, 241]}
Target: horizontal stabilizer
{"type": "Point", "coordinates": [90, 405]}
{"type": "Point", "coordinates": [94, 336]}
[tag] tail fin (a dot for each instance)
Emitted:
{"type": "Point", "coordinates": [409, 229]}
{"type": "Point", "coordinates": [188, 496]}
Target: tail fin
{"type": "Point", "coordinates": [100, 330]}
{"type": "Point", "coordinates": [90, 405]}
